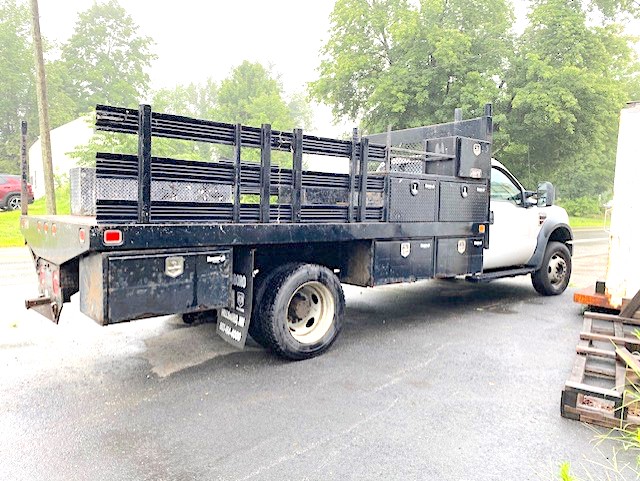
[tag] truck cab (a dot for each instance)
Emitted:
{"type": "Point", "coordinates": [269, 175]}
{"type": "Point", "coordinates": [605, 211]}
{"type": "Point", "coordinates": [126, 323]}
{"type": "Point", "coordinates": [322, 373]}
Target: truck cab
{"type": "Point", "coordinates": [528, 233]}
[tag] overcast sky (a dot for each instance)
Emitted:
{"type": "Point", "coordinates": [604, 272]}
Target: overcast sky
{"type": "Point", "coordinates": [197, 39]}
{"type": "Point", "coordinates": [200, 39]}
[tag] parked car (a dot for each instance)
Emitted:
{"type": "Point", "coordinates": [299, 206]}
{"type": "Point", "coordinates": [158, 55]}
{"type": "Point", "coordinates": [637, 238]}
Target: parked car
{"type": "Point", "coordinates": [10, 192]}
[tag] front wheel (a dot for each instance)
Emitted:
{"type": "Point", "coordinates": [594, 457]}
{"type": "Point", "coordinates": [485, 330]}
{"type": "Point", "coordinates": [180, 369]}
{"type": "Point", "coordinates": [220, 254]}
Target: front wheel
{"type": "Point", "coordinates": [301, 311]}
{"type": "Point", "coordinates": [553, 276]}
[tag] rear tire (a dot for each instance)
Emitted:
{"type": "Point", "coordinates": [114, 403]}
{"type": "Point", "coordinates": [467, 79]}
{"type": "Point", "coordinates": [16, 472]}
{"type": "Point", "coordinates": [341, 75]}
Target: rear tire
{"type": "Point", "coordinates": [553, 276]}
{"type": "Point", "coordinates": [259, 287]}
{"type": "Point", "coordinates": [301, 311]}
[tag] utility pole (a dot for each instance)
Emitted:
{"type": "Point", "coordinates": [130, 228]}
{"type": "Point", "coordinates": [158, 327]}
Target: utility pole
{"type": "Point", "coordinates": [43, 110]}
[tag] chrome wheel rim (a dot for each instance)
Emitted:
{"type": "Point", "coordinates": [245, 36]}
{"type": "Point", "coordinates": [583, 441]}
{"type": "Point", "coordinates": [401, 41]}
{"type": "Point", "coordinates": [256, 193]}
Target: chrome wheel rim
{"type": "Point", "coordinates": [557, 269]}
{"type": "Point", "coordinates": [14, 203]}
{"type": "Point", "coordinates": [310, 312]}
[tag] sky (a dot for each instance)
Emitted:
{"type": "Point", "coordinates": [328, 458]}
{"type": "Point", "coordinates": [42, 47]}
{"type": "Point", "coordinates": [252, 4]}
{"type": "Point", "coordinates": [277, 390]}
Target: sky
{"type": "Point", "coordinates": [198, 39]}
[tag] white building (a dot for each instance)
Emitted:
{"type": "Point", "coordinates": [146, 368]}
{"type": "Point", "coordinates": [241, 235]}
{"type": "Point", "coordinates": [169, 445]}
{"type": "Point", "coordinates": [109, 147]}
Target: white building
{"type": "Point", "coordinates": [64, 140]}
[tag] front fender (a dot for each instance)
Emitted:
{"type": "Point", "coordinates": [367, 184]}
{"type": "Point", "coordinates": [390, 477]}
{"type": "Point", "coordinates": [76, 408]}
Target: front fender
{"type": "Point", "coordinates": [550, 231]}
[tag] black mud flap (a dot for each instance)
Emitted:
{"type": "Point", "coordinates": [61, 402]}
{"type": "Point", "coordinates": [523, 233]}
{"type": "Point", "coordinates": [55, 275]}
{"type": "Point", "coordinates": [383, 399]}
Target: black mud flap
{"type": "Point", "coordinates": [233, 321]}
{"type": "Point", "coordinates": [45, 306]}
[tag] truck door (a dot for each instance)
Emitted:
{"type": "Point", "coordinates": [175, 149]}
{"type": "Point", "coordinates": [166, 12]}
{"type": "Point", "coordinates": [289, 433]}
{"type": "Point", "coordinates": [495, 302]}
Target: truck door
{"type": "Point", "coordinates": [514, 232]}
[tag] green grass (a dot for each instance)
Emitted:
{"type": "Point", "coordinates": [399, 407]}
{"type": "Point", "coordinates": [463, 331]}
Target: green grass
{"type": "Point", "coordinates": [10, 235]}
{"type": "Point", "coordinates": [594, 222]}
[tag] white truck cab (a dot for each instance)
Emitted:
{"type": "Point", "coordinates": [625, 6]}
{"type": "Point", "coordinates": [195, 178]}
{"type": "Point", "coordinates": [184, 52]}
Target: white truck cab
{"type": "Point", "coordinates": [528, 234]}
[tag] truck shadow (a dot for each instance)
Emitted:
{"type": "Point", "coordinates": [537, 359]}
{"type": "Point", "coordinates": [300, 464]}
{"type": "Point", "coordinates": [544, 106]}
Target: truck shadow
{"type": "Point", "coordinates": [369, 313]}
{"type": "Point", "coordinates": [429, 301]}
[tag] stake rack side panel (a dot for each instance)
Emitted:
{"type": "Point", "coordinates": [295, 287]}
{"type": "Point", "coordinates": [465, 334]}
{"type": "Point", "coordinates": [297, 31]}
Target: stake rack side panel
{"type": "Point", "coordinates": [191, 191]}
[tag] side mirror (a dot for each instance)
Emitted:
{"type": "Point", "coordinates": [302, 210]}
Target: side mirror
{"type": "Point", "coordinates": [546, 194]}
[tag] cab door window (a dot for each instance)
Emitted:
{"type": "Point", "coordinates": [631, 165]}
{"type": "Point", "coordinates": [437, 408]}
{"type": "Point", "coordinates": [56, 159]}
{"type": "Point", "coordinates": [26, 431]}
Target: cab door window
{"type": "Point", "coordinates": [503, 188]}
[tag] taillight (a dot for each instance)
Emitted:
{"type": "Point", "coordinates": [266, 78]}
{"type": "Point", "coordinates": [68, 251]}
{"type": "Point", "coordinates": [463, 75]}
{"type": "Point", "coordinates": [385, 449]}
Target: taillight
{"type": "Point", "coordinates": [112, 237]}
{"type": "Point", "coordinates": [54, 229]}
{"type": "Point", "coordinates": [25, 222]}
{"type": "Point", "coordinates": [46, 227]}
{"type": "Point", "coordinates": [82, 236]}
{"type": "Point", "coordinates": [39, 226]}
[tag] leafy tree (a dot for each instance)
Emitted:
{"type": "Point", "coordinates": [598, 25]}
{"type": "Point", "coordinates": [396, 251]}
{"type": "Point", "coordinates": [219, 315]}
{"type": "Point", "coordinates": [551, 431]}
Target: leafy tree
{"type": "Point", "coordinates": [567, 84]}
{"type": "Point", "coordinates": [252, 96]}
{"type": "Point", "coordinates": [557, 89]}
{"type": "Point", "coordinates": [106, 60]}
{"type": "Point", "coordinates": [393, 62]}
{"type": "Point", "coordinates": [193, 100]}
{"type": "Point", "coordinates": [17, 88]}
{"type": "Point", "coordinates": [614, 8]}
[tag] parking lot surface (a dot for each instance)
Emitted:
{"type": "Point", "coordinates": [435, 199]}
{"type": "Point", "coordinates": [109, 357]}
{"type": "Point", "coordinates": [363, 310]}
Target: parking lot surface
{"type": "Point", "coordinates": [434, 380]}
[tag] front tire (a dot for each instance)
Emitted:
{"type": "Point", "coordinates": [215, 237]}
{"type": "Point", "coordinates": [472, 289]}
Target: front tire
{"type": "Point", "coordinates": [553, 276]}
{"type": "Point", "coordinates": [301, 311]}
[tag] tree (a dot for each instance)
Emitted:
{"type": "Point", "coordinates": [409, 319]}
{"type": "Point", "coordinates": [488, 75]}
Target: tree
{"type": "Point", "coordinates": [192, 100]}
{"type": "Point", "coordinates": [389, 62]}
{"type": "Point", "coordinates": [106, 60]}
{"type": "Point", "coordinates": [557, 89]}
{"type": "Point", "coordinates": [566, 87]}
{"type": "Point", "coordinates": [615, 8]}
{"type": "Point", "coordinates": [252, 96]}
{"type": "Point", "coordinates": [17, 88]}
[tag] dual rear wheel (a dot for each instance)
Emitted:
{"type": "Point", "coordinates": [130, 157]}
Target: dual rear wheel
{"type": "Point", "coordinates": [298, 310]}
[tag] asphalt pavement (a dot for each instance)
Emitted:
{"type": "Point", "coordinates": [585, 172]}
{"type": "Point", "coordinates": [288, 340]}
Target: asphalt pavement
{"type": "Point", "coordinates": [437, 380]}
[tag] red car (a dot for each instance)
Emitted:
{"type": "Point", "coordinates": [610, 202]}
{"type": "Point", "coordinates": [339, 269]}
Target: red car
{"type": "Point", "coordinates": [10, 192]}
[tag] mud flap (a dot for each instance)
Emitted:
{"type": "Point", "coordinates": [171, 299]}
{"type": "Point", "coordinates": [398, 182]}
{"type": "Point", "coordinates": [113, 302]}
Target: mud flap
{"type": "Point", "coordinates": [233, 321]}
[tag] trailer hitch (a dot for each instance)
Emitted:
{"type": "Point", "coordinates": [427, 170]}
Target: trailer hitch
{"type": "Point", "coordinates": [46, 307]}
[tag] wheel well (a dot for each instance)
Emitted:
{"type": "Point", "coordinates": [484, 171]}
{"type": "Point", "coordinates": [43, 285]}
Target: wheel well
{"type": "Point", "coordinates": [351, 258]}
{"type": "Point", "coordinates": [562, 234]}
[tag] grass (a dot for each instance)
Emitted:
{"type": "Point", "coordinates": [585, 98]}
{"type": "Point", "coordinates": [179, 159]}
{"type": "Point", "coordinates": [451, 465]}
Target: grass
{"type": "Point", "coordinates": [10, 235]}
{"type": "Point", "coordinates": [584, 222]}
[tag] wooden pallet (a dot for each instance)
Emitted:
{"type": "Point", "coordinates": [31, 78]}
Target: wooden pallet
{"type": "Point", "coordinates": [599, 390]}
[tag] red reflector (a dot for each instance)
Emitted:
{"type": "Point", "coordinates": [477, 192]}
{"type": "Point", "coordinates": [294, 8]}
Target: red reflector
{"type": "Point", "coordinates": [46, 228]}
{"type": "Point", "coordinates": [82, 236]}
{"type": "Point", "coordinates": [39, 226]}
{"type": "Point", "coordinates": [54, 229]}
{"type": "Point", "coordinates": [55, 282]}
{"type": "Point", "coordinates": [112, 237]}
